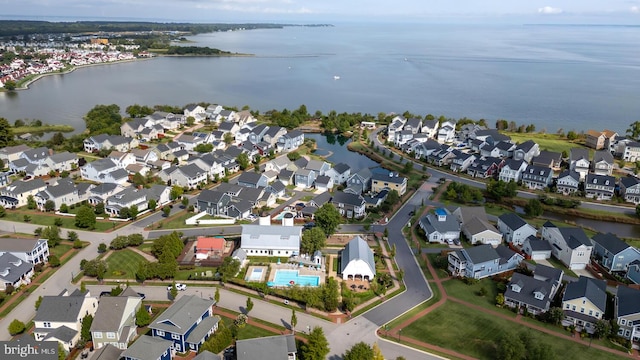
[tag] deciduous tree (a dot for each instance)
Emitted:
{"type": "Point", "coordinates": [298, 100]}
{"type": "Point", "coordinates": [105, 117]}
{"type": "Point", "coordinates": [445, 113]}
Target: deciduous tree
{"type": "Point", "coordinates": [312, 240]}
{"type": "Point", "coordinates": [86, 218]}
{"type": "Point", "coordinates": [359, 351]}
{"type": "Point", "coordinates": [316, 347]}
{"type": "Point", "coordinates": [328, 218]}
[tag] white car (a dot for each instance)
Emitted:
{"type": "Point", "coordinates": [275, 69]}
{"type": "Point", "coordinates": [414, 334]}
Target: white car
{"type": "Point", "coordinates": [179, 286]}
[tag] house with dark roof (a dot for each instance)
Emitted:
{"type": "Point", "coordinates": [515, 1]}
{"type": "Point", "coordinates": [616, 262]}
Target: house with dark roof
{"type": "Point", "coordinates": [115, 321]}
{"type": "Point", "coordinates": [526, 151]}
{"type": "Point", "coordinates": [537, 177]}
{"type": "Point", "coordinates": [630, 189]}
{"type": "Point", "coordinates": [440, 227]}
{"type": "Point", "coordinates": [14, 271]}
{"type": "Point", "coordinates": [64, 161]}
{"type": "Point", "coordinates": [599, 187]}
{"type": "Point", "coordinates": [35, 251]}
{"type": "Point", "coordinates": [485, 168]}
{"type": "Point", "coordinates": [324, 183]}
{"type": "Point", "coordinates": [286, 176]}
{"type": "Point", "coordinates": [64, 192]}
{"type": "Point", "coordinates": [430, 127]}
{"type": "Point", "coordinates": [505, 149]}
{"type": "Point", "coordinates": [476, 227]}
{"type": "Point", "coordinates": [186, 176]}
{"type": "Point", "coordinates": [550, 159]}
{"type": "Point", "coordinates": [252, 180]}
{"type": "Point", "coordinates": [149, 348]}
{"type": "Point", "coordinates": [349, 205]}
{"type": "Point", "coordinates": [447, 131]}
{"type": "Point", "coordinates": [207, 355]}
{"type": "Point", "coordinates": [279, 347]}
{"type": "Point", "coordinates": [512, 170]}
{"type": "Point", "coordinates": [627, 312]}
{"type": "Point", "coordinates": [602, 163]}
{"type": "Point", "coordinates": [290, 140]}
{"type": "Point", "coordinates": [482, 261]}
{"type": "Point", "coordinates": [187, 323]}
{"type": "Point", "coordinates": [461, 161]}
{"type": "Point", "coordinates": [584, 303]}
{"type": "Point", "coordinates": [633, 272]}
{"type": "Point", "coordinates": [579, 161]}
{"type": "Point", "coordinates": [570, 245]}
{"type": "Point", "coordinates": [16, 194]}
{"type": "Point", "coordinates": [104, 171]}
{"type": "Point", "coordinates": [536, 249]}
{"type": "Point", "coordinates": [388, 181]}
{"type": "Point", "coordinates": [529, 293]}
{"type": "Point", "coordinates": [305, 178]}
{"type": "Point", "coordinates": [514, 229]}
{"type": "Point", "coordinates": [551, 275]}
{"type": "Point", "coordinates": [59, 318]}
{"type": "Point", "coordinates": [356, 260]}
{"type": "Point", "coordinates": [278, 164]}
{"type": "Point", "coordinates": [12, 153]}
{"type": "Point", "coordinates": [107, 352]}
{"type": "Point", "coordinates": [568, 182]}
{"type": "Point", "coordinates": [630, 150]}
{"type": "Point", "coordinates": [613, 253]}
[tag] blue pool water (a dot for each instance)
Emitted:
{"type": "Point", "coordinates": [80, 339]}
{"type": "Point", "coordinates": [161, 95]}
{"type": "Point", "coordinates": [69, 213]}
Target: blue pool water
{"type": "Point", "coordinates": [256, 274]}
{"type": "Point", "coordinates": [284, 278]}
{"type": "Point", "coordinates": [281, 215]}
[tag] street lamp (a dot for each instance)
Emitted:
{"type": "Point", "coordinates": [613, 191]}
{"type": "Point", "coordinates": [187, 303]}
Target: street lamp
{"type": "Point", "coordinates": [308, 329]}
{"type": "Point", "coordinates": [399, 333]}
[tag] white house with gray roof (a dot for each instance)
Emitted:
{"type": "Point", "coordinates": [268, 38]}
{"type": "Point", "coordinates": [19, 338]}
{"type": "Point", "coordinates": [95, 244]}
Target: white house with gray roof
{"type": "Point", "coordinates": [149, 348]}
{"type": "Point", "coordinates": [356, 261]}
{"type": "Point", "coordinates": [440, 227]}
{"type": "Point", "coordinates": [482, 261]}
{"type": "Point", "coordinates": [16, 194]}
{"type": "Point", "coordinates": [186, 176]}
{"type": "Point", "coordinates": [64, 192]}
{"type": "Point", "coordinates": [14, 271]}
{"type": "Point", "coordinates": [340, 173]}
{"type": "Point", "coordinates": [279, 347]}
{"type": "Point", "coordinates": [187, 323]}
{"type": "Point", "coordinates": [64, 161]}
{"type": "Point", "coordinates": [104, 171]}
{"type": "Point", "coordinates": [35, 251]}
{"type": "Point", "coordinates": [514, 229]}
{"type": "Point", "coordinates": [267, 240]}
{"type": "Point", "coordinates": [115, 321]}
{"type": "Point", "coordinates": [59, 318]}
{"type": "Point", "coordinates": [570, 245]}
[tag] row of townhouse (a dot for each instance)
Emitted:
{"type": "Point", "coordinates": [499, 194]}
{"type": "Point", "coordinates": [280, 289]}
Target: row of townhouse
{"type": "Point", "coordinates": [37, 162]}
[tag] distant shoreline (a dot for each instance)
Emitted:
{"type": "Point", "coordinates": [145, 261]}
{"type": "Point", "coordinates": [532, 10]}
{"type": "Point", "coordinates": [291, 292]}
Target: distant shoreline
{"type": "Point", "coordinates": [25, 86]}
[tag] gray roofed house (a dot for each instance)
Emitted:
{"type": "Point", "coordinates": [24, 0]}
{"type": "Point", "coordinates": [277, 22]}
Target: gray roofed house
{"type": "Point", "coordinates": [277, 188]}
{"type": "Point", "coordinates": [320, 199]}
{"type": "Point", "coordinates": [528, 292]}
{"type": "Point", "coordinates": [537, 177]}
{"type": "Point", "coordinates": [320, 167]}
{"type": "Point", "coordinates": [240, 255]}
{"type": "Point", "coordinates": [551, 159]}
{"type": "Point", "coordinates": [482, 261]}
{"type": "Point", "coordinates": [584, 302]}
{"type": "Point", "coordinates": [116, 315]}
{"type": "Point", "coordinates": [570, 245]}
{"type": "Point", "coordinates": [14, 271]}
{"type": "Point", "coordinates": [279, 347]}
{"type": "Point", "coordinates": [602, 163]}
{"type": "Point", "coordinates": [627, 312]}
{"type": "Point", "coordinates": [536, 248]}
{"type": "Point", "coordinates": [514, 229]}
{"type": "Point", "coordinates": [214, 202]}
{"type": "Point", "coordinates": [16, 193]}
{"type": "Point", "coordinates": [202, 331]}
{"type": "Point", "coordinates": [613, 253]}
{"type": "Point", "coordinates": [32, 250]}
{"type": "Point", "coordinates": [262, 240]}
{"type": "Point", "coordinates": [107, 352]}
{"type": "Point", "coordinates": [579, 161]}
{"type": "Point", "coordinates": [356, 260]}
{"type": "Point", "coordinates": [440, 227]}
{"type": "Point", "coordinates": [568, 182]}
{"type": "Point", "coordinates": [148, 348]}
{"type": "Point", "coordinates": [207, 355]}
{"type": "Point", "coordinates": [349, 205]}
{"type": "Point", "coordinates": [549, 274]}
{"type": "Point", "coordinates": [252, 179]}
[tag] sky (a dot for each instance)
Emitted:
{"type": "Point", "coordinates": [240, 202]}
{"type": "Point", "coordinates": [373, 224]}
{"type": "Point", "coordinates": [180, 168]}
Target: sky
{"type": "Point", "coordinates": [329, 11]}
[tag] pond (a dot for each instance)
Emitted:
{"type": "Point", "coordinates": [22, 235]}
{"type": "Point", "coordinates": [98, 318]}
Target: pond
{"type": "Point", "coordinates": [621, 230]}
{"type": "Point", "coordinates": [334, 149]}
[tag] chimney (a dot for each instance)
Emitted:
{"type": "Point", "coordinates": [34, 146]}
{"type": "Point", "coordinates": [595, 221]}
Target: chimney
{"type": "Point", "coordinates": [264, 219]}
{"type": "Point", "coordinates": [287, 219]}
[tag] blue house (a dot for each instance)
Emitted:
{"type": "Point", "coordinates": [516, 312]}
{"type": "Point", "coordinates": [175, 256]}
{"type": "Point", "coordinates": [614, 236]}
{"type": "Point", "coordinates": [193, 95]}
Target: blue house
{"type": "Point", "coordinates": [482, 261]}
{"type": "Point", "coordinates": [252, 180]}
{"type": "Point", "coordinates": [148, 348]}
{"type": "Point", "coordinates": [305, 178]}
{"type": "Point", "coordinates": [613, 253]}
{"type": "Point", "coordinates": [187, 323]}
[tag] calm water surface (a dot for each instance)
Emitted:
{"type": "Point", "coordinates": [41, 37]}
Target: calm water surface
{"type": "Point", "coordinates": [570, 77]}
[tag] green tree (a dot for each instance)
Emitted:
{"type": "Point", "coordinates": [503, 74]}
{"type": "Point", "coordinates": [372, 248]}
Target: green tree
{"type": "Point", "coordinates": [125, 213]}
{"type": "Point", "coordinates": [133, 211]}
{"type": "Point", "coordinates": [52, 234]}
{"type": "Point", "coordinates": [328, 218]}
{"type": "Point", "coordinates": [10, 85]}
{"type": "Point", "coordinates": [249, 305]}
{"type": "Point", "coordinates": [216, 296]}
{"type": "Point", "coordinates": [102, 248]}
{"type": "Point", "coordinates": [85, 332]}
{"type": "Point", "coordinates": [49, 205]}
{"type": "Point", "coordinates": [602, 329]}
{"type": "Point", "coordinates": [173, 291]}
{"type": "Point", "coordinates": [54, 261]}
{"type": "Point", "coordinates": [228, 138]}
{"type": "Point", "coordinates": [316, 347]}
{"type": "Point", "coordinates": [176, 192]}
{"type": "Point", "coordinates": [634, 130]}
{"type": "Point", "coordinates": [359, 351]}
{"type": "Point", "coordinates": [72, 236]}
{"type": "Point", "coordinates": [142, 317]}
{"type": "Point", "coordinates": [64, 208]}
{"type": "Point", "coordinates": [312, 240]}
{"type": "Point", "coordinates": [243, 161]}
{"type": "Point", "coordinates": [6, 134]}
{"type": "Point", "coordinates": [96, 268]}
{"type": "Point", "coordinates": [31, 202]}
{"type": "Point", "coordinates": [331, 295]}
{"type": "Point", "coordinates": [86, 218]}
{"type": "Point", "coordinates": [229, 268]}
{"type": "Point", "coordinates": [294, 320]}
{"type": "Point", "coordinates": [294, 155]}
{"type": "Point", "coordinates": [203, 148]}
{"type": "Point", "coordinates": [185, 201]}
{"type": "Point", "coordinates": [533, 207]}
{"type": "Point", "coordinates": [57, 139]}
{"type": "Point", "coordinates": [62, 353]}
{"type": "Point", "coordinates": [3, 211]}
{"type": "Point", "coordinates": [103, 119]}
{"type": "Point", "coordinates": [377, 353]}
{"type": "Point", "coordinates": [152, 204]}
{"type": "Point", "coordinates": [16, 327]}
{"type": "Point", "coordinates": [38, 302]}
{"type": "Point", "coordinates": [166, 211]}
{"type": "Point", "coordinates": [510, 348]}
{"type": "Point", "coordinates": [99, 208]}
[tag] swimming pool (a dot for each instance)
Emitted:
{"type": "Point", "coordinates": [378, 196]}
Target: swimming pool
{"type": "Point", "coordinates": [282, 214]}
{"type": "Point", "coordinates": [256, 274]}
{"type": "Point", "coordinates": [293, 277]}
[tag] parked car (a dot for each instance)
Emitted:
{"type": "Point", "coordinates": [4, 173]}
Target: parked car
{"type": "Point", "coordinates": [309, 225]}
{"type": "Point", "coordinates": [179, 286]}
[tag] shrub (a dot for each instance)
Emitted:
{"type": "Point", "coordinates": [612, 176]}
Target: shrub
{"type": "Point", "coordinates": [16, 327]}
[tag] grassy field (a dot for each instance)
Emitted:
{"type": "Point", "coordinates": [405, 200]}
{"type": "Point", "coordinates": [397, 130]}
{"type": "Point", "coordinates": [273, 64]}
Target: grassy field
{"type": "Point", "coordinates": [469, 293]}
{"type": "Point", "coordinates": [38, 218]}
{"type": "Point", "coordinates": [43, 128]}
{"type": "Point", "coordinates": [476, 334]}
{"type": "Point", "coordinates": [123, 264]}
{"type": "Point", "coordinates": [550, 142]}
{"type": "Point", "coordinates": [60, 250]}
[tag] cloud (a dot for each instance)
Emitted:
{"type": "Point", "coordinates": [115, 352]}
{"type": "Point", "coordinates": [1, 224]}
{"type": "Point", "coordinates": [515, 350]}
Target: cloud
{"type": "Point", "coordinates": [635, 9]}
{"type": "Point", "coordinates": [549, 10]}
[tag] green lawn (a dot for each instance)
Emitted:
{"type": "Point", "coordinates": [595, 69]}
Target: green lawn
{"type": "Point", "coordinates": [38, 218]}
{"type": "Point", "coordinates": [249, 331]}
{"type": "Point", "coordinates": [60, 250]}
{"type": "Point", "coordinates": [123, 264]}
{"type": "Point", "coordinates": [475, 333]}
{"type": "Point", "coordinates": [550, 142]}
{"type": "Point", "coordinates": [469, 293]}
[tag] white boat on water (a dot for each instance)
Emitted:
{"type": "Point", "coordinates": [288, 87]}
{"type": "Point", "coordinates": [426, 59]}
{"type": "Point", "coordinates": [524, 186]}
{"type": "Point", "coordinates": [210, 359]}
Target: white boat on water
{"type": "Point", "coordinates": [336, 77]}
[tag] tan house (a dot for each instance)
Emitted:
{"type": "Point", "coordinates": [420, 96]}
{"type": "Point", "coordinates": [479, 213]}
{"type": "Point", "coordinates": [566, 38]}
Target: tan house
{"type": "Point", "coordinates": [392, 181]}
{"type": "Point", "coordinates": [600, 139]}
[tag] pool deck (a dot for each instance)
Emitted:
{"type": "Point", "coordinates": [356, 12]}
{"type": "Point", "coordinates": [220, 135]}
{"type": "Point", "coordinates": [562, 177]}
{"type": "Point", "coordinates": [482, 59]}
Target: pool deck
{"type": "Point", "coordinates": [250, 271]}
{"type": "Point", "coordinates": [301, 271]}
